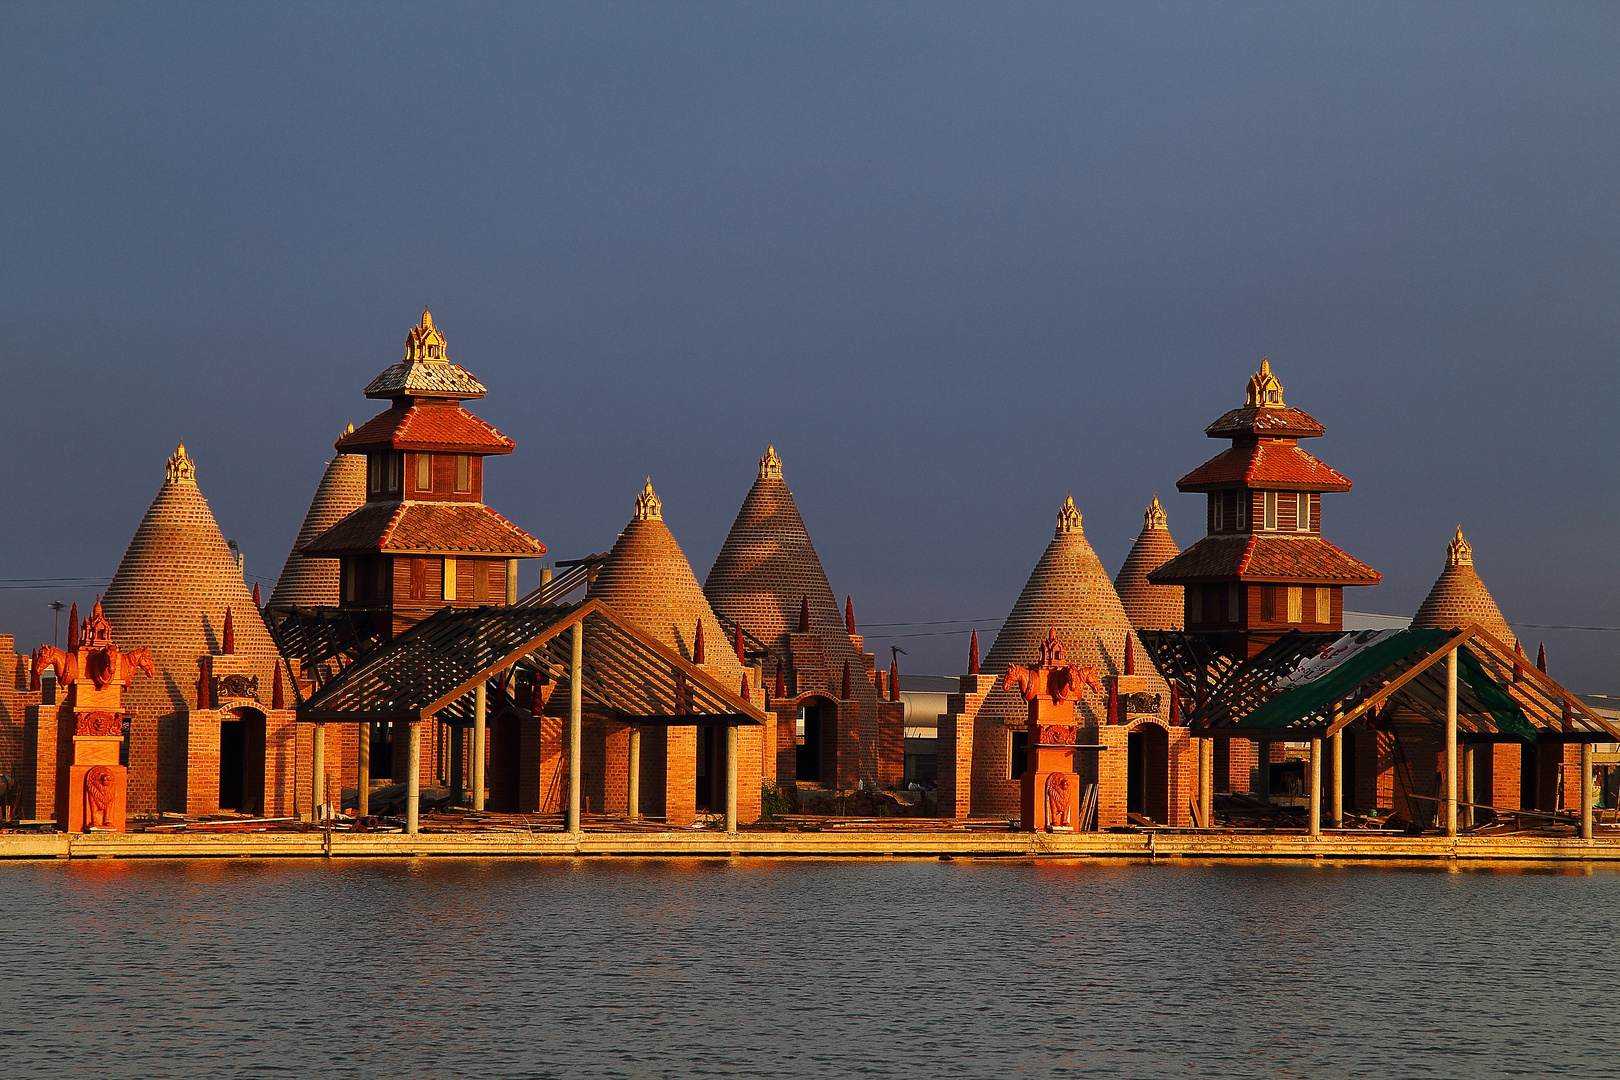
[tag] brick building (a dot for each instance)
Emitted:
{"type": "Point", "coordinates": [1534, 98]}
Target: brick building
{"type": "Point", "coordinates": [312, 582]}
{"type": "Point", "coordinates": [1150, 606]}
{"type": "Point", "coordinates": [647, 579]}
{"type": "Point", "coordinates": [16, 701]}
{"type": "Point", "coordinates": [835, 726]}
{"type": "Point", "coordinates": [1147, 767]}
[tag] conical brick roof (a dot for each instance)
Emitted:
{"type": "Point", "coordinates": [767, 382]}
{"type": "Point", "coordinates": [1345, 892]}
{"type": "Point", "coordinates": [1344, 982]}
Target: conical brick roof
{"type": "Point", "coordinates": [1149, 606]}
{"type": "Point", "coordinates": [170, 594]}
{"type": "Point", "coordinates": [1459, 597]}
{"type": "Point", "coordinates": [647, 579]}
{"type": "Point", "coordinates": [306, 582]}
{"type": "Point", "coordinates": [768, 568]}
{"type": "Point", "coordinates": [1068, 591]}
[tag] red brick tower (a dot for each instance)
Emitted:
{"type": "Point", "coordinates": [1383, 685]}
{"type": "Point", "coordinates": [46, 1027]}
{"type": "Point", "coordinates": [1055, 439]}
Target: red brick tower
{"type": "Point", "coordinates": [1459, 597]}
{"type": "Point", "coordinates": [647, 579]}
{"type": "Point", "coordinates": [1149, 606]}
{"type": "Point", "coordinates": [981, 736]}
{"type": "Point", "coordinates": [1263, 568]}
{"type": "Point", "coordinates": [424, 538]}
{"type": "Point", "coordinates": [769, 580]}
{"type": "Point", "coordinates": [203, 732]}
{"type": "Point", "coordinates": [307, 582]}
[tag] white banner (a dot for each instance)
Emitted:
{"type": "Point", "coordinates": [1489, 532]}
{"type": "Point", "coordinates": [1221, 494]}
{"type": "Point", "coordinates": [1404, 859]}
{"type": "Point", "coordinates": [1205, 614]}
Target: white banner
{"type": "Point", "coordinates": [1314, 667]}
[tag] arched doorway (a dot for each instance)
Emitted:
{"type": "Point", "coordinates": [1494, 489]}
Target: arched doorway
{"type": "Point", "coordinates": [1147, 773]}
{"type": "Point", "coordinates": [816, 739]}
{"type": "Point", "coordinates": [241, 761]}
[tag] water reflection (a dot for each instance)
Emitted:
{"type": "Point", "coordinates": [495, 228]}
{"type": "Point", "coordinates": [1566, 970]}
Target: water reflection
{"type": "Point", "coordinates": [755, 968]}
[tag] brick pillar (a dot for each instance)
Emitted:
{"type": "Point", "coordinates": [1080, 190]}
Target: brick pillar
{"type": "Point", "coordinates": [1506, 761]}
{"type": "Point", "coordinates": [1112, 778]}
{"type": "Point", "coordinates": [680, 775]}
{"type": "Point", "coordinates": [40, 758]}
{"type": "Point", "coordinates": [609, 740]}
{"type": "Point", "coordinates": [750, 747]}
{"type": "Point", "coordinates": [201, 792]}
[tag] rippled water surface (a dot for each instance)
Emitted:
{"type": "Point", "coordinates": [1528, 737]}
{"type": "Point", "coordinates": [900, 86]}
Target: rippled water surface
{"type": "Point", "coordinates": [820, 968]}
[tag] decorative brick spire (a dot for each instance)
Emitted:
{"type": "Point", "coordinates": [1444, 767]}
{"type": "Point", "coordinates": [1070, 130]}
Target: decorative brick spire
{"type": "Point", "coordinates": [744, 691]}
{"type": "Point", "coordinates": [425, 342]}
{"type": "Point", "coordinates": [1154, 517]}
{"type": "Point", "coordinates": [1459, 552]}
{"type": "Point", "coordinates": [278, 699]}
{"type": "Point", "coordinates": [697, 643]}
{"type": "Point", "coordinates": [1265, 392]}
{"type": "Point", "coordinates": [648, 506]}
{"type": "Point", "coordinates": [781, 681]}
{"type": "Point", "coordinates": [973, 654]}
{"type": "Point", "coordinates": [894, 677]}
{"type": "Point", "coordinates": [180, 470]}
{"type": "Point", "coordinates": [849, 615]}
{"type": "Point", "coordinates": [844, 690]}
{"type": "Point", "coordinates": [742, 657]}
{"type": "Point", "coordinates": [1130, 654]}
{"type": "Point", "coordinates": [770, 466]}
{"type": "Point", "coordinates": [1068, 518]}
{"type": "Point", "coordinates": [256, 602]}
{"type": "Point", "coordinates": [1175, 704]}
{"type": "Point", "coordinates": [73, 628]}
{"type": "Point", "coordinates": [229, 634]}
{"type": "Point", "coordinates": [1541, 658]}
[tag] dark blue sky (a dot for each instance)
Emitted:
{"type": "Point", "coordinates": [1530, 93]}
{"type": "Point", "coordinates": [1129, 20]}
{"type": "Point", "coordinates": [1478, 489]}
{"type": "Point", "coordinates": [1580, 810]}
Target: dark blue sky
{"type": "Point", "coordinates": [954, 260]}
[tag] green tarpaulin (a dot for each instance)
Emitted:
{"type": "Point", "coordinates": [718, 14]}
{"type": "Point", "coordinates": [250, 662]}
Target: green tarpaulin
{"type": "Point", "coordinates": [1509, 717]}
{"type": "Point", "coordinates": [1314, 697]}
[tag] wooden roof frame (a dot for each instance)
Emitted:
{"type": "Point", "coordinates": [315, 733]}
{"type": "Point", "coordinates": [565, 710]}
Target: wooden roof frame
{"type": "Point", "coordinates": [625, 669]}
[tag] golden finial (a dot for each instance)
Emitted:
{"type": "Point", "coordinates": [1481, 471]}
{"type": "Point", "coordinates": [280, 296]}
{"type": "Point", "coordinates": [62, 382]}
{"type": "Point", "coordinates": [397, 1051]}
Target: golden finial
{"type": "Point", "coordinates": [1068, 518]}
{"type": "Point", "coordinates": [348, 430]}
{"type": "Point", "coordinates": [1265, 391]}
{"type": "Point", "coordinates": [648, 507]}
{"type": "Point", "coordinates": [424, 342]}
{"type": "Point", "coordinates": [180, 469]}
{"type": "Point", "coordinates": [1459, 552]}
{"type": "Point", "coordinates": [770, 466]}
{"type": "Point", "coordinates": [1154, 518]}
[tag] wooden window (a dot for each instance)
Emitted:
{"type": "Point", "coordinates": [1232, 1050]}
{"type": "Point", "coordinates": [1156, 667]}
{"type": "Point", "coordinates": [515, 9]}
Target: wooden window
{"type": "Point", "coordinates": [424, 472]}
{"type": "Point", "coordinates": [1217, 505]}
{"type": "Point", "coordinates": [1324, 605]}
{"type": "Point", "coordinates": [1241, 519]}
{"type": "Point", "coordinates": [449, 579]}
{"type": "Point", "coordinates": [1268, 603]}
{"type": "Point", "coordinates": [480, 576]}
{"type": "Point", "coordinates": [394, 467]}
{"type": "Point", "coordinates": [348, 579]}
{"type": "Point", "coordinates": [463, 472]}
{"type": "Point", "coordinates": [1302, 514]}
{"type": "Point", "coordinates": [418, 579]}
{"type": "Point", "coordinates": [1017, 754]}
{"type": "Point", "coordinates": [1296, 604]}
{"type": "Point", "coordinates": [1234, 597]}
{"type": "Point", "coordinates": [1269, 522]}
{"type": "Point", "coordinates": [374, 466]}
{"type": "Point", "coordinates": [382, 579]}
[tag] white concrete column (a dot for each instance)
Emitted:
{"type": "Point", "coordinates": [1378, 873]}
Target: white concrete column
{"type": "Point", "coordinates": [480, 706]}
{"type": "Point", "coordinates": [635, 774]}
{"type": "Point", "coordinates": [1586, 791]}
{"type": "Point", "coordinates": [362, 806]}
{"type": "Point", "coordinates": [1336, 786]}
{"type": "Point", "coordinates": [1466, 811]}
{"type": "Point", "coordinates": [511, 581]}
{"type": "Point", "coordinates": [1206, 782]}
{"type": "Point", "coordinates": [1316, 787]}
{"type": "Point", "coordinates": [576, 723]}
{"type": "Point", "coordinates": [413, 777]}
{"type": "Point", "coordinates": [317, 767]}
{"type": "Point", "coordinates": [731, 778]}
{"type": "Point", "coordinates": [1451, 743]}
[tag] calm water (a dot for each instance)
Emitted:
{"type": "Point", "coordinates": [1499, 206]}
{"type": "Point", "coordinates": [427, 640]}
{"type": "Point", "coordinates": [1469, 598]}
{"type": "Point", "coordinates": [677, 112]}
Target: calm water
{"type": "Point", "coordinates": [915, 969]}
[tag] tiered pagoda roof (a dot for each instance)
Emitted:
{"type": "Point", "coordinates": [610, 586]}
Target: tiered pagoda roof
{"type": "Point", "coordinates": [1459, 597]}
{"type": "Point", "coordinates": [306, 582]}
{"type": "Point", "coordinates": [647, 580]}
{"type": "Point", "coordinates": [416, 528]}
{"type": "Point", "coordinates": [1069, 592]}
{"type": "Point", "coordinates": [425, 372]}
{"type": "Point", "coordinates": [442, 426]}
{"type": "Point", "coordinates": [172, 590]}
{"type": "Point", "coordinates": [1149, 606]}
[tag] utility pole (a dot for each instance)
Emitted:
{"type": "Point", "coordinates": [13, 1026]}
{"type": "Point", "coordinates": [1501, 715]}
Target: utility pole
{"type": "Point", "coordinates": [56, 628]}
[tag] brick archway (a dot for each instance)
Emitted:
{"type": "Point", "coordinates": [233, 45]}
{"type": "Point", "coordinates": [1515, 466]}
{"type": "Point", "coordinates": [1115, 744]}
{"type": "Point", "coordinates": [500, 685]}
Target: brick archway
{"type": "Point", "coordinates": [1147, 777]}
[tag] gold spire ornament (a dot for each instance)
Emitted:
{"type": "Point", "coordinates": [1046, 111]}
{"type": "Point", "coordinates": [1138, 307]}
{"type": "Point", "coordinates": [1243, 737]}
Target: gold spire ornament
{"type": "Point", "coordinates": [648, 506]}
{"type": "Point", "coordinates": [1155, 518]}
{"type": "Point", "coordinates": [1459, 552]}
{"type": "Point", "coordinates": [770, 466]}
{"type": "Point", "coordinates": [424, 343]}
{"type": "Point", "coordinates": [1068, 518]}
{"type": "Point", "coordinates": [180, 468]}
{"type": "Point", "coordinates": [1265, 391]}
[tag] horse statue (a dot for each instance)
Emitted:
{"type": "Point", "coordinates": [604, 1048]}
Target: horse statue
{"type": "Point", "coordinates": [1064, 683]}
{"type": "Point", "coordinates": [136, 660]}
{"type": "Point", "coordinates": [49, 656]}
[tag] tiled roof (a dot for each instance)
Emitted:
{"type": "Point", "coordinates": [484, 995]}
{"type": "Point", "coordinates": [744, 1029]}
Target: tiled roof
{"type": "Point", "coordinates": [1459, 597]}
{"type": "Point", "coordinates": [1302, 557]}
{"type": "Point", "coordinates": [768, 567]}
{"type": "Point", "coordinates": [314, 582]}
{"type": "Point", "coordinates": [170, 594]}
{"type": "Point", "coordinates": [447, 428]}
{"type": "Point", "coordinates": [647, 579]}
{"type": "Point", "coordinates": [1252, 420]}
{"type": "Point", "coordinates": [1068, 590]}
{"type": "Point", "coordinates": [1265, 465]}
{"type": "Point", "coordinates": [1149, 606]}
{"type": "Point", "coordinates": [425, 528]}
{"type": "Point", "coordinates": [425, 378]}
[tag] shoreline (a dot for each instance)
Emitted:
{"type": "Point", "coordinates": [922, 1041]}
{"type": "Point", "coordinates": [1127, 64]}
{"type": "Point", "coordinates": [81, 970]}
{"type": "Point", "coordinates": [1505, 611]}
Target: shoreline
{"type": "Point", "coordinates": [772, 845]}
